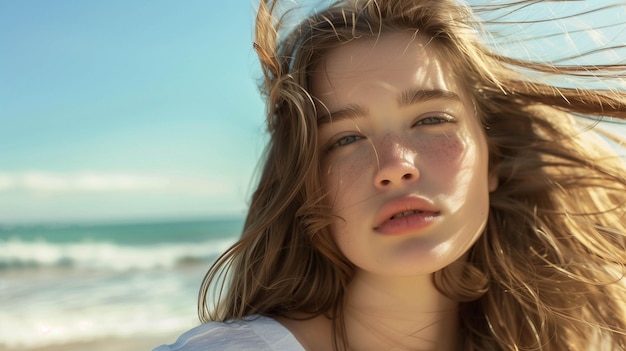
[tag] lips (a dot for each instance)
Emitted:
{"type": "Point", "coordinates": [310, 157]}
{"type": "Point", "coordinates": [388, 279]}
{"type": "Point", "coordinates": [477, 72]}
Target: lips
{"type": "Point", "coordinates": [405, 215]}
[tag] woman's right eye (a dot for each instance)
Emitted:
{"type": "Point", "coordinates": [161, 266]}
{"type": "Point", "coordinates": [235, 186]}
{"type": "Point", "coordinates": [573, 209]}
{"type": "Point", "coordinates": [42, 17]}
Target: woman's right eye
{"type": "Point", "coordinates": [343, 141]}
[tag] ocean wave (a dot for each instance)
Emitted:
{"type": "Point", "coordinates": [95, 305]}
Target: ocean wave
{"type": "Point", "coordinates": [19, 254]}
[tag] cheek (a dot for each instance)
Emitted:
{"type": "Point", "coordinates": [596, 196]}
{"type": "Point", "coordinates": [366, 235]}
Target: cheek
{"type": "Point", "coordinates": [343, 180]}
{"type": "Point", "coordinates": [459, 168]}
{"type": "Point", "coordinates": [455, 166]}
{"type": "Point", "coordinates": [443, 154]}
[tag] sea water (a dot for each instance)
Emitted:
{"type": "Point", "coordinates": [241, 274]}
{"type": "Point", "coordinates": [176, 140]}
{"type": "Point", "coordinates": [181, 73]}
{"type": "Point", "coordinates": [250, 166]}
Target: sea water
{"type": "Point", "coordinates": [72, 283]}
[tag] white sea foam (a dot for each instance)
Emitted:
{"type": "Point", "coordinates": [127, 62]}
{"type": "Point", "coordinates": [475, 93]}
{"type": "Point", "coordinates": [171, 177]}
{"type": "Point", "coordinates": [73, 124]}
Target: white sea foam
{"type": "Point", "coordinates": [15, 253]}
{"type": "Point", "coordinates": [70, 306]}
{"type": "Point", "coordinates": [102, 286]}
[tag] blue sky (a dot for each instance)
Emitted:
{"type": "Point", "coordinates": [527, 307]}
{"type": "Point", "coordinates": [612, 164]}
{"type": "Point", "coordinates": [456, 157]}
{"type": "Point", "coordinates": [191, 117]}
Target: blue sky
{"type": "Point", "coordinates": [113, 110]}
{"type": "Point", "coordinates": [126, 109]}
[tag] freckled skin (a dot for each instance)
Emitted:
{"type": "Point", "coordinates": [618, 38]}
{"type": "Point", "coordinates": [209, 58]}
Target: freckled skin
{"type": "Point", "coordinates": [395, 151]}
{"type": "Point", "coordinates": [443, 148]}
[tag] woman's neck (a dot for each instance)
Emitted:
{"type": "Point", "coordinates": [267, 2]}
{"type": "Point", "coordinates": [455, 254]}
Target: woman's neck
{"type": "Point", "coordinates": [399, 313]}
{"type": "Point", "coordinates": [385, 313]}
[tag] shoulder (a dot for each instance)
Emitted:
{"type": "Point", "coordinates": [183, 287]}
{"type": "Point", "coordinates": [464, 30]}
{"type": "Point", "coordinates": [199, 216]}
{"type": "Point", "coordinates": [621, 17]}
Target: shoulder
{"type": "Point", "coordinates": [251, 333]}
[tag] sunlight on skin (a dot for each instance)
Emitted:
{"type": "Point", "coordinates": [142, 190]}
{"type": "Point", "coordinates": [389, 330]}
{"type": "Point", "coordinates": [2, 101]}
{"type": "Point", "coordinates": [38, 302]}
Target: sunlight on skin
{"type": "Point", "coordinates": [449, 153]}
{"type": "Point", "coordinates": [382, 156]}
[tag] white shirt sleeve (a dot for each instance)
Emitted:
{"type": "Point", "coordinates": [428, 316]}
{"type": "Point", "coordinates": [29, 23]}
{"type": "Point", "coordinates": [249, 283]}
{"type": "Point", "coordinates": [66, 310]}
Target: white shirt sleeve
{"type": "Point", "coordinates": [256, 333]}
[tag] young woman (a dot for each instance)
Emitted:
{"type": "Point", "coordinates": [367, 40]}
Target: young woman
{"type": "Point", "coordinates": [421, 192]}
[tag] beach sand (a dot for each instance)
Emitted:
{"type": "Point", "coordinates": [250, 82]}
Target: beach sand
{"type": "Point", "coordinates": [114, 344]}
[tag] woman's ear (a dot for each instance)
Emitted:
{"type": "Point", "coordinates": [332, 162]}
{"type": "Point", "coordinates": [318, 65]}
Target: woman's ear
{"type": "Point", "coordinates": [493, 182]}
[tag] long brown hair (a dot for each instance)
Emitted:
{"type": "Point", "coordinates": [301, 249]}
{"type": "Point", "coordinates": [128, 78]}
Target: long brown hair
{"type": "Point", "coordinates": [545, 274]}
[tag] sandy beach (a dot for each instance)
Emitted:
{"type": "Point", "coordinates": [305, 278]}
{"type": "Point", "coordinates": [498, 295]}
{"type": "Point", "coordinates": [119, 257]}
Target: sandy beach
{"type": "Point", "coordinates": [115, 344]}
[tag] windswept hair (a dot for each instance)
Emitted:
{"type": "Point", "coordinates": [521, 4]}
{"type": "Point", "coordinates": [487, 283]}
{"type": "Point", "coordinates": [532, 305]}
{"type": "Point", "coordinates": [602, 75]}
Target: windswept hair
{"type": "Point", "coordinates": [548, 271]}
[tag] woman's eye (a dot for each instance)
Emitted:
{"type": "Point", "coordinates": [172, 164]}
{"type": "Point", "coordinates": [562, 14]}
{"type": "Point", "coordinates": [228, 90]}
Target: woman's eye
{"type": "Point", "coordinates": [343, 141]}
{"type": "Point", "coordinates": [434, 120]}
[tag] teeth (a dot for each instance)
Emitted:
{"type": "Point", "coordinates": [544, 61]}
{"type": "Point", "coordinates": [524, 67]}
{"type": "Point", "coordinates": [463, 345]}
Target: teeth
{"type": "Point", "coordinates": [405, 213]}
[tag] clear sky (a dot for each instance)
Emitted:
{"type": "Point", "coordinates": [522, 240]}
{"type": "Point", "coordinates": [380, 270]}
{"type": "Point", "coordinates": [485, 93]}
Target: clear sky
{"type": "Point", "coordinates": [135, 109]}
{"type": "Point", "coordinates": [127, 109]}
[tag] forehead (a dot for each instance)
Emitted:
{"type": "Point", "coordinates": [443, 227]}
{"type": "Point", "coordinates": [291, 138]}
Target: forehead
{"type": "Point", "coordinates": [388, 64]}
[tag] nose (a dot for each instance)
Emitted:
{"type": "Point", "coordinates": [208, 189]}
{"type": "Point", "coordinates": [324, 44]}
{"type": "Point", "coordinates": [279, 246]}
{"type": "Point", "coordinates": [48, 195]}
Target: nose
{"type": "Point", "coordinates": [396, 165]}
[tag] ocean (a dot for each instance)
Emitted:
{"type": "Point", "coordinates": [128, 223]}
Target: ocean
{"type": "Point", "coordinates": [62, 284]}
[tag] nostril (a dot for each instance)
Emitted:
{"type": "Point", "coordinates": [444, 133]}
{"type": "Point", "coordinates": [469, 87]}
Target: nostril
{"type": "Point", "coordinates": [406, 176]}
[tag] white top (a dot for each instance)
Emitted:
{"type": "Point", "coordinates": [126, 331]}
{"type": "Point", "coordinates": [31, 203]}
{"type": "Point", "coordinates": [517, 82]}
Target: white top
{"type": "Point", "coordinates": [258, 333]}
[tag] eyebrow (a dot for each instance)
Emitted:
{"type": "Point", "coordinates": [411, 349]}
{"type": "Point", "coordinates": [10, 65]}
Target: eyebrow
{"type": "Point", "coordinates": [407, 98]}
{"type": "Point", "coordinates": [347, 112]}
{"type": "Point", "coordinates": [415, 96]}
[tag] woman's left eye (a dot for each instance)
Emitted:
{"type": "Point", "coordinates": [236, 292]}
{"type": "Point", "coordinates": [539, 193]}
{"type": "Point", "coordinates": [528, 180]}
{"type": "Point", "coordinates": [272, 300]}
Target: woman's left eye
{"type": "Point", "coordinates": [343, 141]}
{"type": "Point", "coordinates": [434, 120]}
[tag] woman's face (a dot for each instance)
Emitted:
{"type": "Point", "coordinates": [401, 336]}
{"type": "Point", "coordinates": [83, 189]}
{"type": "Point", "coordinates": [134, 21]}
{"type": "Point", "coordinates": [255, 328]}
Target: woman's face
{"type": "Point", "coordinates": [404, 157]}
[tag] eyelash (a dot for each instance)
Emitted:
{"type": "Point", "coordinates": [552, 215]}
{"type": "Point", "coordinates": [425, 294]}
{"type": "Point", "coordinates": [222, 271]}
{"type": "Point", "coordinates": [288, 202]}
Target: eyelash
{"type": "Point", "coordinates": [349, 139]}
{"type": "Point", "coordinates": [438, 118]}
{"type": "Point", "coordinates": [343, 141]}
